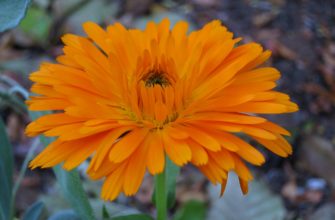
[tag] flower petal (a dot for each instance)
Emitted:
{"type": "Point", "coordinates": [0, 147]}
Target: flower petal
{"type": "Point", "coordinates": [127, 145]}
{"type": "Point", "coordinates": [178, 151]}
{"type": "Point", "coordinates": [155, 158]}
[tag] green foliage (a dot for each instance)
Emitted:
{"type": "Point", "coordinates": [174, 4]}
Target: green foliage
{"type": "Point", "coordinates": [71, 185]}
{"type": "Point", "coordinates": [6, 173]}
{"type": "Point", "coordinates": [194, 210]}
{"type": "Point", "coordinates": [105, 214]}
{"type": "Point", "coordinates": [34, 212]}
{"type": "Point", "coordinates": [6, 153]}
{"type": "Point", "coordinates": [11, 13]}
{"type": "Point", "coordinates": [5, 195]}
{"type": "Point", "coordinates": [172, 171]}
{"type": "Point", "coordinates": [64, 215]}
{"type": "Point", "coordinates": [74, 192]}
{"type": "Point", "coordinates": [133, 217]}
{"type": "Point", "coordinates": [36, 24]}
{"type": "Point", "coordinates": [2, 215]}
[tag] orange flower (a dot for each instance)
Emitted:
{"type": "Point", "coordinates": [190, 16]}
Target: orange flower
{"type": "Point", "coordinates": [129, 97]}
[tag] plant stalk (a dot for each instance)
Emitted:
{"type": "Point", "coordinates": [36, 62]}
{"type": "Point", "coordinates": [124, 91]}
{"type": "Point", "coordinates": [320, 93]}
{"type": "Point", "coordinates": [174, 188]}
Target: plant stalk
{"type": "Point", "coordinates": [161, 203]}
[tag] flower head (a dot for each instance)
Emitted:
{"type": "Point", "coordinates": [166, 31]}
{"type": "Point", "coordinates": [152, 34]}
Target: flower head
{"type": "Point", "coordinates": [129, 97]}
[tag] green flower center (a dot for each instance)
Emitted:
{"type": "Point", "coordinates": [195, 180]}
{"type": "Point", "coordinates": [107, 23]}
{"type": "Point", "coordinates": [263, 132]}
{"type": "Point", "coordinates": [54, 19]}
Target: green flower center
{"type": "Point", "coordinates": [156, 78]}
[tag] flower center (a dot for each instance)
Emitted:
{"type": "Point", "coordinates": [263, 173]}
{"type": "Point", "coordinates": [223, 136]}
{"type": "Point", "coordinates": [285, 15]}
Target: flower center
{"type": "Point", "coordinates": [156, 78]}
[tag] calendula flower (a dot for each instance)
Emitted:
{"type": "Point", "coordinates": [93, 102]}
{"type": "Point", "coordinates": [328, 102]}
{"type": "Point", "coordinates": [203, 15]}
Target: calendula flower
{"type": "Point", "coordinates": [128, 97]}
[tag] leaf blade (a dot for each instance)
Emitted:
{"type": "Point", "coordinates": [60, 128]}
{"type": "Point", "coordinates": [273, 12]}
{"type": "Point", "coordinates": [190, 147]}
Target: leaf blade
{"type": "Point", "coordinates": [64, 214]}
{"type": "Point", "coordinates": [12, 12]}
{"type": "Point", "coordinates": [194, 210]}
{"type": "Point", "coordinates": [105, 214]}
{"type": "Point", "coordinates": [6, 172]}
{"type": "Point", "coordinates": [172, 173]}
{"type": "Point", "coordinates": [74, 192]}
{"type": "Point", "coordinates": [34, 212]}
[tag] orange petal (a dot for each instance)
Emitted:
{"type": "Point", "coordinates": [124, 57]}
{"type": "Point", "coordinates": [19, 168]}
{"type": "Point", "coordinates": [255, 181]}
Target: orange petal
{"type": "Point", "coordinates": [106, 144]}
{"type": "Point", "coordinates": [199, 154]}
{"type": "Point", "coordinates": [178, 151]}
{"type": "Point", "coordinates": [241, 169]}
{"type": "Point", "coordinates": [113, 183]}
{"type": "Point", "coordinates": [203, 138]}
{"type": "Point", "coordinates": [127, 145]}
{"type": "Point", "coordinates": [155, 158]}
{"type": "Point", "coordinates": [135, 170]}
{"type": "Point", "coordinates": [243, 185]}
{"type": "Point", "coordinates": [274, 128]}
{"type": "Point", "coordinates": [223, 186]}
{"type": "Point", "coordinates": [97, 34]}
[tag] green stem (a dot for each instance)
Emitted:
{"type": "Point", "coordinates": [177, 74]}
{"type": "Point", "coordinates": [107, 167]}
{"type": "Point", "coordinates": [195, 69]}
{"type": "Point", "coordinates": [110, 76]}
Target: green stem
{"type": "Point", "coordinates": [160, 187]}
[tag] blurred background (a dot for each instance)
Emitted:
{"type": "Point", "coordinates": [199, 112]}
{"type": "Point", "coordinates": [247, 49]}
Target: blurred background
{"type": "Point", "coordinates": [301, 35]}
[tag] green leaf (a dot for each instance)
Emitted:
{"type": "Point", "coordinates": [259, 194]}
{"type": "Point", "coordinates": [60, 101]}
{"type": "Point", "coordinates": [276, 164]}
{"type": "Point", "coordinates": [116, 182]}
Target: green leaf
{"type": "Point", "coordinates": [73, 191]}
{"type": "Point", "coordinates": [105, 214]}
{"type": "Point", "coordinates": [133, 217]}
{"type": "Point", "coordinates": [34, 211]}
{"type": "Point", "coordinates": [11, 13]}
{"type": "Point", "coordinates": [5, 195]}
{"type": "Point", "coordinates": [6, 172]}
{"type": "Point", "coordinates": [64, 215]}
{"type": "Point", "coordinates": [2, 216]}
{"type": "Point", "coordinates": [36, 24]}
{"type": "Point", "coordinates": [194, 210]}
{"type": "Point", "coordinates": [70, 184]}
{"type": "Point", "coordinates": [172, 171]}
{"type": "Point", "coordinates": [6, 154]}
